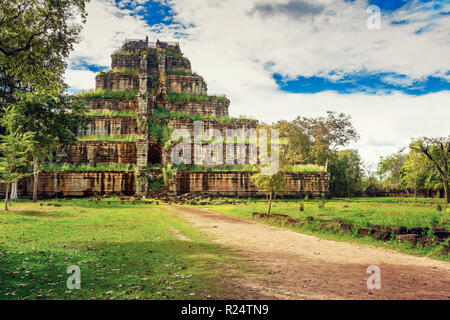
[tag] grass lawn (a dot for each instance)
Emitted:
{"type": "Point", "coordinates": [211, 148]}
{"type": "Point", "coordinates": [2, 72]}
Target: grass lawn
{"type": "Point", "coordinates": [361, 212]}
{"type": "Point", "coordinates": [124, 251]}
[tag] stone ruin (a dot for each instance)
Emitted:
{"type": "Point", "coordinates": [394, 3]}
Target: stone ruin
{"type": "Point", "coordinates": [118, 133]}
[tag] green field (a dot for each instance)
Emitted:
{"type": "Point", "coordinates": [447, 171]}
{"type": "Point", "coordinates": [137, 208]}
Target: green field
{"type": "Point", "coordinates": [141, 250]}
{"type": "Point", "coordinates": [360, 212]}
{"type": "Point", "coordinates": [124, 251]}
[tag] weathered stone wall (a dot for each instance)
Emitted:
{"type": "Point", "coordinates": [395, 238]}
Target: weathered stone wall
{"type": "Point", "coordinates": [239, 184]}
{"type": "Point", "coordinates": [213, 108]}
{"type": "Point", "coordinates": [186, 84]}
{"type": "Point", "coordinates": [99, 153]}
{"type": "Point", "coordinates": [81, 183]}
{"type": "Point", "coordinates": [209, 124]}
{"type": "Point", "coordinates": [112, 105]}
{"type": "Point", "coordinates": [117, 81]}
{"type": "Point", "coordinates": [178, 64]}
{"type": "Point", "coordinates": [105, 126]}
{"type": "Point", "coordinates": [125, 61]}
{"type": "Point", "coordinates": [209, 154]}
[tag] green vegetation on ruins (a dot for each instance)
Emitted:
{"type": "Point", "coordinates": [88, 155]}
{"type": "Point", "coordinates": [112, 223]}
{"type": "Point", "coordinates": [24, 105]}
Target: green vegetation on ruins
{"type": "Point", "coordinates": [80, 167]}
{"type": "Point", "coordinates": [107, 113]}
{"type": "Point", "coordinates": [165, 114]}
{"type": "Point", "coordinates": [173, 97]}
{"type": "Point", "coordinates": [245, 168]}
{"type": "Point", "coordinates": [112, 138]}
{"type": "Point", "coordinates": [108, 94]}
{"type": "Point", "coordinates": [180, 72]}
{"type": "Point", "coordinates": [121, 71]}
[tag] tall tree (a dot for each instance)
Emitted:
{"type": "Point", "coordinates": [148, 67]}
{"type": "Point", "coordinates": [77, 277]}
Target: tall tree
{"type": "Point", "coordinates": [295, 142]}
{"type": "Point", "coordinates": [15, 149]}
{"type": "Point", "coordinates": [437, 150]}
{"type": "Point", "coordinates": [346, 173]}
{"type": "Point", "coordinates": [419, 173]}
{"type": "Point", "coordinates": [36, 37]}
{"type": "Point", "coordinates": [328, 133]}
{"type": "Point", "coordinates": [54, 120]}
{"type": "Point", "coordinates": [389, 168]}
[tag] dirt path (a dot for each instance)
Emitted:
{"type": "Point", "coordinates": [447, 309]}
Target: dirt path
{"type": "Point", "coordinates": [300, 266]}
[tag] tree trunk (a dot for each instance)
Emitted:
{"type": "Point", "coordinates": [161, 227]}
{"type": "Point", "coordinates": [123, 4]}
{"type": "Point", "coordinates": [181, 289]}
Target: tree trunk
{"type": "Point", "coordinates": [270, 202]}
{"type": "Point", "coordinates": [446, 191]}
{"type": "Point", "coordinates": [35, 177]}
{"type": "Point", "coordinates": [6, 196]}
{"type": "Point", "coordinates": [13, 195]}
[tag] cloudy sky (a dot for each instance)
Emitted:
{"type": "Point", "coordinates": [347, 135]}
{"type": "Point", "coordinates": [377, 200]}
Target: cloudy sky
{"type": "Point", "coordinates": [279, 59]}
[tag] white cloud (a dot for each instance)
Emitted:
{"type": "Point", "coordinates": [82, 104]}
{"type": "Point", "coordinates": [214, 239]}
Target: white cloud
{"type": "Point", "coordinates": [237, 54]}
{"type": "Point", "coordinates": [80, 80]}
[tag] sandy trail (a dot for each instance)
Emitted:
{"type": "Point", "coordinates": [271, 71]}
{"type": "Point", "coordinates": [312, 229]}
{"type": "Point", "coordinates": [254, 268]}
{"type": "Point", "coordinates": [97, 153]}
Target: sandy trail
{"type": "Point", "coordinates": [300, 266]}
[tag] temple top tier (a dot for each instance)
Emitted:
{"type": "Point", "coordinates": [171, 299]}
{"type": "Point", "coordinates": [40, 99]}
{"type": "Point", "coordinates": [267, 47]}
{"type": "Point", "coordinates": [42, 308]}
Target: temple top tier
{"type": "Point", "coordinates": [160, 74]}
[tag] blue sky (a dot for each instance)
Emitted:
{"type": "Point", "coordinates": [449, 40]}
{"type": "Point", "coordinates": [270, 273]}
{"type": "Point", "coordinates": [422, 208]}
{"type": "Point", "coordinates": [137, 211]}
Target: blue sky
{"type": "Point", "coordinates": [157, 13]}
{"type": "Point", "coordinates": [278, 59]}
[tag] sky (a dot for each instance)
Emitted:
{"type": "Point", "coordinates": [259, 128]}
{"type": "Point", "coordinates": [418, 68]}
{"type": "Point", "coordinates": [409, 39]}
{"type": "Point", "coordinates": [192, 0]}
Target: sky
{"type": "Point", "coordinates": [279, 59]}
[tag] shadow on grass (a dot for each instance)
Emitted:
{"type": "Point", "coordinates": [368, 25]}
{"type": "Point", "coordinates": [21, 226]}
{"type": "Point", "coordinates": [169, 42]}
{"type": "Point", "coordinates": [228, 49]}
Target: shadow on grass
{"type": "Point", "coordinates": [112, 270]}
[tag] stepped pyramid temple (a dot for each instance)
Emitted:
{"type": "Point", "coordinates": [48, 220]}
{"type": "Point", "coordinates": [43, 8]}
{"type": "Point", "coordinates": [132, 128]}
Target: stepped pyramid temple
{"type": "Point", "coordinates": [126, 147]}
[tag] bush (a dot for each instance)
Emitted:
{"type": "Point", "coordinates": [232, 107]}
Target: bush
{"type": "Point", "coordinates": [109, 94]}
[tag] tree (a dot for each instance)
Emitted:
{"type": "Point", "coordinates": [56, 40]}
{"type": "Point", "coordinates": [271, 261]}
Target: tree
{"type": "Point", "coordinates": [295, 142]}
{"type": "Point", "coordinates": [419, 173]}
{"type": "Point", "coordinates": [36, 37]}
{"type": "Point", "coordinates": [15, 148]}
{"type": "Point", "coordinates": [327, 134]}
{"type": "Point", "coordinates": [54, 121]}
{"type": "Point", "coordinates": [346, 173]}
{"type": "Point", "coordinates": [437, 150]}
{"type": "Point", "coordinates": [272, 184]}
{"type": "Point", "coordinates": [389, 168]}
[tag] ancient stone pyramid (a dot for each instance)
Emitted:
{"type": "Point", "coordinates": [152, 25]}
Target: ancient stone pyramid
{"type": "Point", "coordinates": [149, 91]}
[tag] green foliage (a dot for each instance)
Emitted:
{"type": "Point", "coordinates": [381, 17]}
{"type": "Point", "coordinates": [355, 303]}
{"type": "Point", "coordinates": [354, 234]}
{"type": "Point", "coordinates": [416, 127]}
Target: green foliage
{"type": "Point", "coordinates": [53, 120]}
{"type": "Point", "coordinates": [128, 138]}
{"type": "Point", "coordinates": [121, 71]}
{"type": "Point", "coordinates": [165, 114]}
{"type": "Point", "coordinates": [437, 152]}
{"type": "Point", "coordinates": [112, 113]}
{"type": "Point", "coordinates": [69, 167]}
{"type": "Point", "coordinates": [180, 72]}
{"type": "Point", "coordinates": [15, 148]}
{"type": "Point", "coordinates": [158, 129]}
{"type": "Point", "coordinates": [272, 184]}
{"type": "Point", "coordinates": [173, 97]}
{"type": "Point", "coordinates": [36, 39]}
{"type": "Point", "coordinates": [244, 168]}
{"type": "Point", "coordinates": [167, 174]}
{"type": "Point", "coordinates": [346, 173]}
{"type": "Point", "coordinates": [418, 173]}
{"type": "Point", "coordinates": [175, 56]}
{"type": "Point", "coordinates": [109, 94]}
{"type": "Point", "coordinates": [390, 168]}
{"type": "Point", "coordinates": [302, 168]}
{"type": "Point", "coordinates": [130, 52]}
